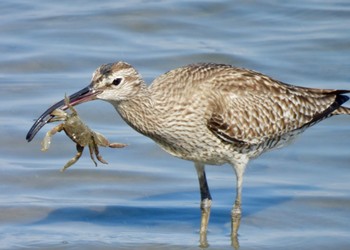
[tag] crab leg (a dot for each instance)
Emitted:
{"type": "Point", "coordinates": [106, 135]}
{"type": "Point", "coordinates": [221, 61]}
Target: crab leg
{"type": "Point", "coordinates": [80, 150]}
{"type": "Point", "coordinates": [97, 153]}
{"type": "Point", "coordinates": [91, 149]}
{"type": "Point", "coordinates": [45, 144]}
{"type": "Point", "coordinates": [117, 145]}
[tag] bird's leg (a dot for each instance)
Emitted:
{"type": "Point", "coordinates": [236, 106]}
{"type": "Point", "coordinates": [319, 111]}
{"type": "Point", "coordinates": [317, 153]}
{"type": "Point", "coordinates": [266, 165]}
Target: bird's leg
{"type": "Point", "coordinates": [205, 204]}
{"type": "Point", "coordinates": [236, 209]}
{"type": "Point", "coordinates": [236, 212]}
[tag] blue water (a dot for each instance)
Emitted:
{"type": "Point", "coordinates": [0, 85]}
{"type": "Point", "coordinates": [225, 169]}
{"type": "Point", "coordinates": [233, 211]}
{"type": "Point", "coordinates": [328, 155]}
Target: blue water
{"type": "Point", "coordinates": [294, 198]}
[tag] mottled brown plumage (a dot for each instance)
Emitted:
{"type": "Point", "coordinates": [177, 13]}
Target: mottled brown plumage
{"type": "Point", "coordinates": [197, 110]}
{"type": "Point", "coordinates": [212, 114]}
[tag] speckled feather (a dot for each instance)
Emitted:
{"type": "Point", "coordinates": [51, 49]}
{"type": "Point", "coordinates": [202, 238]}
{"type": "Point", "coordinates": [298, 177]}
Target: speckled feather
{"type": "Point", "coordinates": [214, 113]}
{"type": "Point", "coordinates": [243, 107]}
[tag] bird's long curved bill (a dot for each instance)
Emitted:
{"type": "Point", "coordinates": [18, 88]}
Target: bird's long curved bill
{"type": "Point", "coordinates": [84, 95]}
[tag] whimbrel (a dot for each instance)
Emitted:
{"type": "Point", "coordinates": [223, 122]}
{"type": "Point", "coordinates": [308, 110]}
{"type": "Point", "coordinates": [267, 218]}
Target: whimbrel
{"type": "Point", "coordinates": [209, 114]}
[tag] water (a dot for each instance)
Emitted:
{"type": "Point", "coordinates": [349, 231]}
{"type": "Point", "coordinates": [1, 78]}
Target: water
{"type": "Point", "coordinates": [294, 198]}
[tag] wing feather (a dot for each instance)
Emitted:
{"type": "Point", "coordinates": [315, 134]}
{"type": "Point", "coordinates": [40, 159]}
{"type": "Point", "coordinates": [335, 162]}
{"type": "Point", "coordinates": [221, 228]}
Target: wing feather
{"type": "Point", "coordinates": [247, 107]}
{"type": "Point", "coordinates": [250, 108]}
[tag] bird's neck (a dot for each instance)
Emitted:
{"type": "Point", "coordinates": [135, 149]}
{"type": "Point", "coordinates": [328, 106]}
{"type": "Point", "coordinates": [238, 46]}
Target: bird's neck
{"type": "Point", "coordinates": [139, 112]}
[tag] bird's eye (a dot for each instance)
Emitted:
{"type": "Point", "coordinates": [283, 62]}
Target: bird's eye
{"type": "Point", "coordinates": [117, 81]}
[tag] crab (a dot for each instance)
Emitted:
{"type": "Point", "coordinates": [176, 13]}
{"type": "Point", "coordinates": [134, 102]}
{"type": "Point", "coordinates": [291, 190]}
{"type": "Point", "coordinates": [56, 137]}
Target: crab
{"type": "Point", "coordinates": [79, 133]}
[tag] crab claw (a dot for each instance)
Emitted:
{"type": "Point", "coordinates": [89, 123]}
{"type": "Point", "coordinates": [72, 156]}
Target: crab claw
{"type": "Point", "coordinates": [84, 95]}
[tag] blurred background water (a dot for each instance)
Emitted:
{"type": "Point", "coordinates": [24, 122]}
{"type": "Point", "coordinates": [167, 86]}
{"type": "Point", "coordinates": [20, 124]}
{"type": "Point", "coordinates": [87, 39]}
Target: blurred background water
{"type": "Point", "coordinates": [294, 198]}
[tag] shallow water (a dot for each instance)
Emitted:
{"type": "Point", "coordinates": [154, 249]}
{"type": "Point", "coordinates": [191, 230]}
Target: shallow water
{"type": "Point", "coordinates": [293, 198]}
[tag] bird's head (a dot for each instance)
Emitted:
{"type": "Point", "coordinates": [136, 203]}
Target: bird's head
{"type": "Point", "coordinates": [113, 82]}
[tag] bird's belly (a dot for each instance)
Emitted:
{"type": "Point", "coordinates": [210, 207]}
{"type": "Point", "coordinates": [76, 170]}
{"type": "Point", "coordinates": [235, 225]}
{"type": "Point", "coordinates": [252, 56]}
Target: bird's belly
{"type": "Point", "coordinates": [209, 151]}
{"type": "Point", "coordinates": [204, 156]}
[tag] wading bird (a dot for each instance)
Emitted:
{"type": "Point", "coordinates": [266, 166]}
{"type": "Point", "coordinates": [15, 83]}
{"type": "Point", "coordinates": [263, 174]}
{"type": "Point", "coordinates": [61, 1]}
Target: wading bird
{"type": "Point", "coordinates": [209, 114]}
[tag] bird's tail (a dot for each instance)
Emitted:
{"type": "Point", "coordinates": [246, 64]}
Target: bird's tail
{"type": "Point", "coordinates": [341, 111]}
{"type": "Point", "coordinates": [341, 97]}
